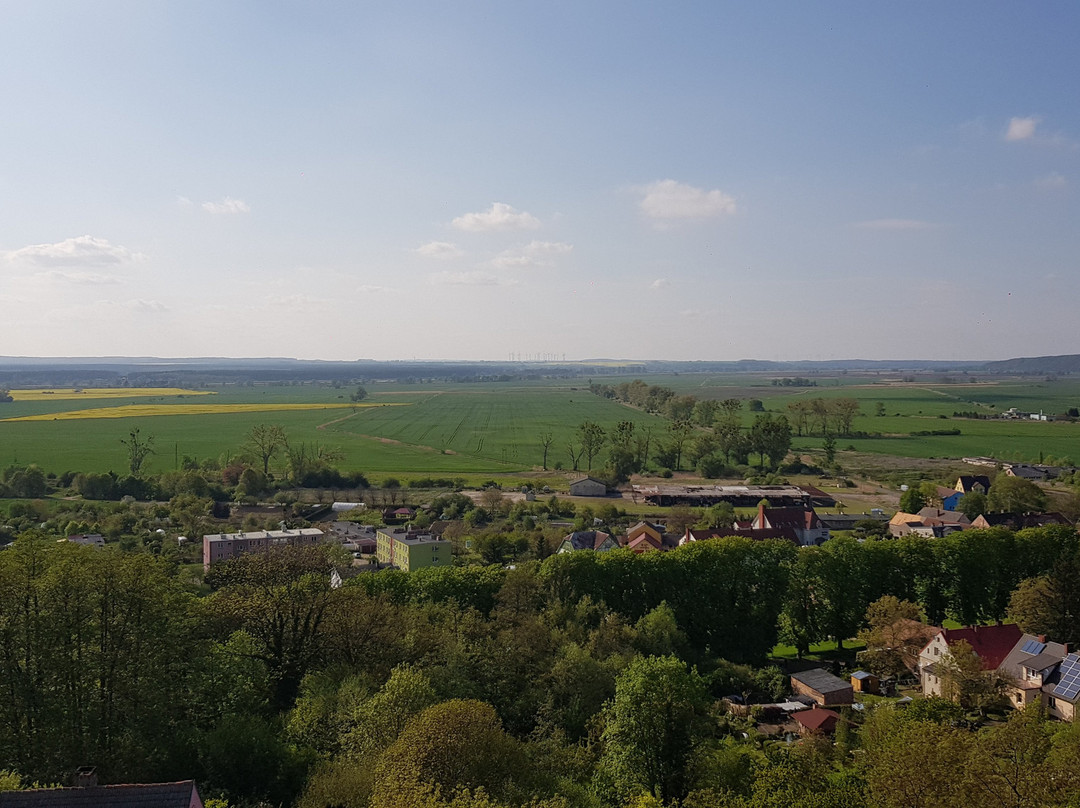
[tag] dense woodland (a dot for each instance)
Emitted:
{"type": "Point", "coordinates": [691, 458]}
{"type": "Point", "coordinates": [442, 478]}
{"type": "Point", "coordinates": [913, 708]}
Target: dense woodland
{"type": "Point", "coordinates": [579, 680]}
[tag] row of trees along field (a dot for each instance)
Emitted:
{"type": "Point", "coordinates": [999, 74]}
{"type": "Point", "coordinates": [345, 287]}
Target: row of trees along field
{"type": "Point", "coordinates": [584, 680]}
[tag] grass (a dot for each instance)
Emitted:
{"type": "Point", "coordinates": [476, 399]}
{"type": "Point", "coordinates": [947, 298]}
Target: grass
{"type": "Point", "coordinates": [492, 430]}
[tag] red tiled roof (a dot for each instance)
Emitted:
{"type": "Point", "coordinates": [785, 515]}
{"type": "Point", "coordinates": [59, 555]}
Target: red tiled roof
{"type": "Point", "coordinates": [991, 643]}
{"type": "Point", "coordinates": [818, 718]}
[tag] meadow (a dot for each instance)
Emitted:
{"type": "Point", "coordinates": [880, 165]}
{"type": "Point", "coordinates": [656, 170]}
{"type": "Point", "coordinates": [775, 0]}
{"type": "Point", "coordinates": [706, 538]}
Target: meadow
{"type": "Point", "coordinates": [493, 429]}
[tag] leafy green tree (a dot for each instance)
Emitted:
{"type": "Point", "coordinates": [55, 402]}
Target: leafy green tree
{"type": "Point", "coordinates": [453, 745]}
{"type": "Point", "coordinates": [679, 433]}
{"type": "Point", "coordinates": [912, 500]}
{"type": "Point", "coordinates": [973, 504]}
{"type": "Point", "coordinates": [771, 437]}
{"type": "Point", "coordinates": [1050, 604]}
{"type": "Point", "coordinates": [359, 395]}
{"type": "Point", "coordinates": [829, 447]}
{"type": "Point", "coordinates": [652, 728]}
{"type": "Point", "coordinates": [591, 438]}
{"type": "Point", "coordinates": [1015, 495]}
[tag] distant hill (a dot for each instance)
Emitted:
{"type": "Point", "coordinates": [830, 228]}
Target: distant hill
{"type": "Point", "coordinates": [1068, 363]}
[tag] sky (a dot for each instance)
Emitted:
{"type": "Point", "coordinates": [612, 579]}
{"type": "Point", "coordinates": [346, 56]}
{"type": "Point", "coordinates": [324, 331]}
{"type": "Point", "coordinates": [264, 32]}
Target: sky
{"type": "Point", "coordinates": [480, 180]}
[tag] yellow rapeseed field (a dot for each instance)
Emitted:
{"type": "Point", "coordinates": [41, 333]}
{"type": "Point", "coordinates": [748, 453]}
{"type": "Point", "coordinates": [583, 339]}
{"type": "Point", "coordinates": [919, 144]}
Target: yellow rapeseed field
{"type": "Point", "coordinates": [149, 410]}
{"type": "Point", "coordinates": [65, 393]}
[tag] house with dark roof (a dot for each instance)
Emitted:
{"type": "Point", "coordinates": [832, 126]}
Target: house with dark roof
{"type": "Point", "coordinates": [1062, 688]}
{"type": "Point", "coordinates": [821, 686]}
{"type": "Point", "coordinates": [182, 794]}
{"type": "Point", "coordinates": [991, 645]}
{"type": "Point", "coordinates": [1019, 521]}
{"type": "Point", "coordinates": [800, 526]}
{"type": "Point", "coordinates": [973, 484]}
{"type": "Point", "coordinates": [588, 487]}
{"type": "Point", "coordinates": [596, 540]}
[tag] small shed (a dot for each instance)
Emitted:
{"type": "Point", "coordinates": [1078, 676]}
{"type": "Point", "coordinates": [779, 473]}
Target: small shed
{"type": "Point", "coordinates": [824, 688]}
{"type": "Point", "coordinates": [865, 682]}
{"type": "Point", "coordinates": [588, 487]}
{"type": "Point", "coordinates": [817, 721]}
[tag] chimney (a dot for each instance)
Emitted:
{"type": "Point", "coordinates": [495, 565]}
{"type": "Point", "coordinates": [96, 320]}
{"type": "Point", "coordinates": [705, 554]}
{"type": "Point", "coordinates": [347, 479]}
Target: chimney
{"type": "Point", "coordinates": [86, 777]}
{"type": "Point", "coordinates": [1042, 638]}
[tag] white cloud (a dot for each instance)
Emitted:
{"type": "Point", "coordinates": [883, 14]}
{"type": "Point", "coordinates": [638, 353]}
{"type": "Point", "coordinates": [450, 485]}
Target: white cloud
{"type": "Point", "coordinates": [896, 224]}
{"type": "Point", "coordinates": [183, 201]}
{"type": "Point", "coordinates": [1052, 180]}
{"type": "Point", "coordinates": [146, 306]}
{"type": "Point", "coordinates": [78, 251]}
{"type": "Point", "coordinates": [88, 278]}
{"type": "Point", "coordinates": [668, 199]}
{"type": "Point", "coordinates": [660, 283]}
{"type": "Point", "coordinates": [370, 289]}
{"type": "Point", "coordinates": [500, 217]}
{"type": "Point", "coordinates": [227, 205]}
{"type": "Point", "coordinates": [472, 278]}
{"type": "Point", "coordinates": [1021, 128]}
{"type": "Point", "coordinates": [533, 254]}
{"type": "Point", "coordinates": [441, 250]}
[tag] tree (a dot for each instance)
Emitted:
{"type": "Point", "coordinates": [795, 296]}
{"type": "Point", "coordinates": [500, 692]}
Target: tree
{"type": "Point", "coordinates": [879, 409]}
{"type": "Point", "coordinates": [452, 745]}
{"type": "Point", "coordinates": [591, 437]}
{"type": "Point", "coordinates": [1015, 495]}
{"type": "Point", "coordinates": [1050, 604]}
{"type": "Point", "coordinates": [5, 396]}
{"type": "Point", "coordinates": [264, 440]}
{"type": "Point", "coordinates": [964, 680]}
{"type": "Point", "coordinates": [771, 437]}
{"type": "Point", "coordinates": [359, 395]}
{"type": "Point", "coordinates": [829, 447]}
{"type": "Point", "coordinates": [844, 411]}
{"type": "Point", "coordinates": [678, 434]}
{"type": "Point", "coordinates": [800, 415]}
{"type": "Point", "coordinates": [973, 504]}
{"type": "Point", "coordinates": [575, 453]}
{"type": "Point", "coordinates": [546, 439]}
{"type": "Point", "coordinates": [138, 449]}
{"type": "Point", "coordinates": [652, 728]}
{"type": "Point", "coordinates": [912, 500]}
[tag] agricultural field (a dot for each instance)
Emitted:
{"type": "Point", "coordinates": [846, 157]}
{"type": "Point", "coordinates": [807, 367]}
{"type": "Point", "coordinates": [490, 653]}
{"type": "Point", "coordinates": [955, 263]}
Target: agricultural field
{"type": "Point", "coordinates": [492, 429]}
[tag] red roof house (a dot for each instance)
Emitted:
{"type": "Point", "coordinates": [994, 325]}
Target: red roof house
{"type": "Point", "coordinates": [817, 721]}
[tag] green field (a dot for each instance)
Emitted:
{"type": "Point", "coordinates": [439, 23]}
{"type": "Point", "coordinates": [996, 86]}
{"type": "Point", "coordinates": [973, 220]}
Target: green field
{"type": "Point", "coordinates": [493, 428]}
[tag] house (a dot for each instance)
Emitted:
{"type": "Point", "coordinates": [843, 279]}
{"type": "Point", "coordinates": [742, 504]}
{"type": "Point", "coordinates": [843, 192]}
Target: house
{"type": "Point", "coordinates": [973, 484]}
{"type": "Point", "coordinates": [865, 682]}
{"type": "Point", "coordinates": [906, 524]}
{"type": "Point", "coordinates": [1029, 667]}
{"type": "Point", "coordinates": [219, 547]}
{"type": "Point", "coordinates": [409, 549]}
{"type": "Point", "coordinates": [739, 496]}
{"type": "Point", "coordinates": [644, 537]}
{"type": "Point", "coordinates": [1062, 689]}
{"type": "Point", "coordinates": [801, 525]}
{"type": "Point", "coordinates": [821, 686]}
{"type": "Point", "coordinates": [950, 497]}
{"type": "Point", "coordinates": [182, 794]}
{"type": "Point", "coordinates": [588, 487]}
{"type": "Point", "coordinates": [817, 721]}
{"type": "Point", "coordinates": [398, 515]}
{"type": "Point", "coordinates": [1018, 521]}
{"type": "Point", "coordinates": [595, 540]}
{"type": "Point", "coordinates": [88, 539]}
{"type": "Point", "coordinates": [990, 643]}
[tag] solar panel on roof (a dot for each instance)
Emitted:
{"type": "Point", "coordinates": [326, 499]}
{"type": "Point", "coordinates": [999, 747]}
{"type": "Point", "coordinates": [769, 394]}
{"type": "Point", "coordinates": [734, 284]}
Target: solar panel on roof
{"type": "Point", "coordinates": [1033, 647]}
{"type": "Point", "coordinates": [1068, 686]}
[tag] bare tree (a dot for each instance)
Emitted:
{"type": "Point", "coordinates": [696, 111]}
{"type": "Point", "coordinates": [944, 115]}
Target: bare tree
{"type": "Point", "coordinates": [546, 439]}
{"type": "Point", "coordinates": [264, 440]}
{"type": "Point", "coordinates": [575, 454]}
{"type": "Point", "coordinates": [138, 449]}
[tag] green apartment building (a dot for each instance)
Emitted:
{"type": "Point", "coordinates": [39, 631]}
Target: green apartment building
{"type": "Point", "coordinates": [411, 549]}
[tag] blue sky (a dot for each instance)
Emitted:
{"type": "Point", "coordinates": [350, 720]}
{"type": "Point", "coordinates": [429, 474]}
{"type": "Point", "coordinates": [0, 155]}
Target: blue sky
{"type": "Point", "coordinates": [469, 180]}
